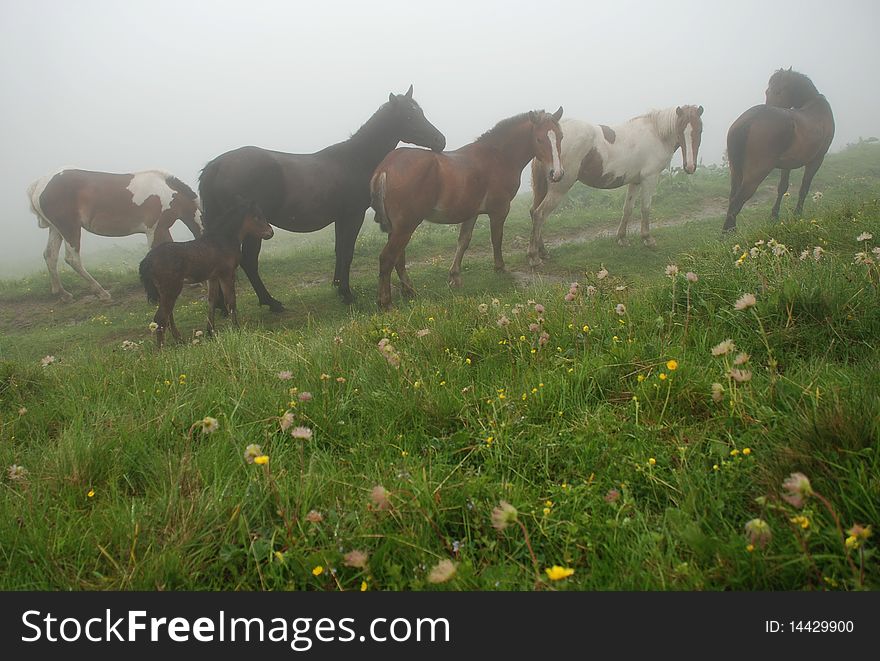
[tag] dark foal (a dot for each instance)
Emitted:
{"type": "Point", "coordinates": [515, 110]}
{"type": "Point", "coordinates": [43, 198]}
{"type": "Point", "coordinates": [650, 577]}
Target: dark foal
{"type": "Point", "coordinates": [214, 257]}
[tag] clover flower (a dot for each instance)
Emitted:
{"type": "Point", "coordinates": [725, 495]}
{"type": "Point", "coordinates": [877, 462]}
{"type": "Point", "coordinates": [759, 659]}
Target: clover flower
{"type": "Point", "coordinates": [723, 348]}
{"type": "Point", "coordinates": [301, 433]}
{"type": "Point", "coordinates": [286, 421]}
{"type": "Point", "coordinates": [423, 332]}
{"type": "Point", "coordinates": [620, 309]}
{"type": "Point", "coordinates": [314, 516]}
{"type": "Point", "coordinates": [741, 358]}
{"type": "Point", "coordinates": [17, 473]}
{"type": "Point", "coordinates": [671, 270]}
{"type": "Point", "coordinates": [305, 396]}
{"type": "Point", "coordinates": [691, 276]}
{"type": "Point", "coordinates": [380, 497]}
{"type": "Point", "coordinates": [797, 489]}
{"type": "Point", "coordinates": [503, 515]}
{"type": "Point", "coordinates": [251, 452]}
{"type": "Point", "coordinates": [717, 392]}
{"type": "Point", "coordinates": [740, 376]}
{"type": "Point", "coordinates": [442, 572]}
{"type": "Point", "coordinates": [758, 532]}
{"type": "Point", "coordinates": [744, 302]}
{"type": "Point", "coordinates": [209, 425]}
{"type": "Point", "coordinates": [285, 375]}
{"type": "Point", "coordinates": [47, 360]}
{"type": "Point", "coordinates": [864, 236]}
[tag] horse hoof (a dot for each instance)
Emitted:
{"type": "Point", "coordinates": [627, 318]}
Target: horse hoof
{"type": "Point", "coordinates": [500, 269]}
{"type": "Point", "coordinates": [623, 243]}
{"type": "Point", "coordinates": [536, 263]}
{"type": "Point", "coordinates": [455, 281]}
{"type": "Point", "coordinates": [275, 306]}
{"type": "Point", "coordinates": [104, 295]}
{"type": "Point", "coordinates": [66, 296]}
{"type": "Point", "coordinates": [649, 242]}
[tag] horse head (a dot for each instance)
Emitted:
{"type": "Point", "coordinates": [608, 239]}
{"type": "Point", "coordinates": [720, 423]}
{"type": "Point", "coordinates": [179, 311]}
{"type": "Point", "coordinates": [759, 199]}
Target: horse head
{"type": "Point", "coordinates": [547, 141]}
{"type": "Point", "coordinates": [789, 89]}
{"type": "Point", "coordinates": [413, 126]}
{"type": "Point", "coordinates": [689, 129]}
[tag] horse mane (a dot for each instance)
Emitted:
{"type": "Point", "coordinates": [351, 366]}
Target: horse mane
{"type": "Point", "coordinates": [228, 223]}
{"type": "Point", "coordinates": [505, 124]}
{"type": "Point", "coordinates": [796, 79]}
{"type": "Point", "coordinates": [179, 186]}
{"type": "Point", "coordinates": [665, 121]}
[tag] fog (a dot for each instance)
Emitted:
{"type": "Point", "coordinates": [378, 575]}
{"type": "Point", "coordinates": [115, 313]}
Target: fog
{"type": "Point", "coordinates": [125, 86]}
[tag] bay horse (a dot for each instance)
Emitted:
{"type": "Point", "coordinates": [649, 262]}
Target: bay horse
{"type": "Point", "coordinates": [412, 185]}
{"type": "Point", "coordinates": [214, 256]}
{"type": "Point", "coordinates": [107, 204]}
{"type": "Point", "coordinates": [307, 192]}
{"type": "Point", "coordinates": [793, 129]}
{"type": "Point", "coordinates": [632, 154]}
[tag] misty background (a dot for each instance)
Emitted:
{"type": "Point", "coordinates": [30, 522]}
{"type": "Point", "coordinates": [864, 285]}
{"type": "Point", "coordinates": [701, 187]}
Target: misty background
{"type": "Point", "coordinates": [126, 86]}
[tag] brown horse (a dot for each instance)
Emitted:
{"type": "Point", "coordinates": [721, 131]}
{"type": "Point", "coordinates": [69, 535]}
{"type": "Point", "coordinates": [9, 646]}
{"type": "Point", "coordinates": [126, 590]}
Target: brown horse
{"type": "Point", "coordinates": [412, 185]}
{"type": "Point", "coordinates": [793, 129]}
{"type": "Point", "coordinates": [214, 256]}
{"type": "Point", "coordinates": [307, 192]}
{"type": "Point", "coordinates": [108, 204]}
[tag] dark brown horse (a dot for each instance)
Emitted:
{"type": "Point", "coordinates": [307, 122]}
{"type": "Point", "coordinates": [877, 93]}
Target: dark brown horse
{"type": "Point", "coordinates": [214, 256]}
{"type": "Point", "coordinates": [793, 129]}
{"type": "Point", "coordinates": [412, 185]}
{"type": "Point", "coordinates": [306, 192]}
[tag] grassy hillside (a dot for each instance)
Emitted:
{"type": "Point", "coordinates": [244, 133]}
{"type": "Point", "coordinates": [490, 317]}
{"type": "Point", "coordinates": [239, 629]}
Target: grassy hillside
{"type": "Point", "coordinates": [596, 422]}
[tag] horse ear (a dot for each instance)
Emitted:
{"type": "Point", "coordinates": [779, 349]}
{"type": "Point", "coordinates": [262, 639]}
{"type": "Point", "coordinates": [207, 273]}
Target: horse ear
{"type": "Point", "coordinates": [678, 110]}
{"type": "Point", "coordinates": [558, 114]}
{"type": "Point", "coordinates": [700, 111]}
{"type": "Point", "coordinates": [408, 94]}
{"type": "Point", "coordinates": [391, 98]}
{"type": "Point", "coordinates": [533, 116]}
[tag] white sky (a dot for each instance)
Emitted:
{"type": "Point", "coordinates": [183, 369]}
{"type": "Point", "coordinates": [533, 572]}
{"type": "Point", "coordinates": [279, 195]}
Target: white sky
{"type": "Point", "coordinates": [123, 86]}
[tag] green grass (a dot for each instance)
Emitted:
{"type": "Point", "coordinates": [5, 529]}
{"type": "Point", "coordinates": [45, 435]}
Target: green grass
{"type": "Point", "coordinates": [571, 423]}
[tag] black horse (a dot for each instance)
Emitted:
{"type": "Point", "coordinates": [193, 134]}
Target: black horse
{"type": "Point", "coordinates": [307, 192]}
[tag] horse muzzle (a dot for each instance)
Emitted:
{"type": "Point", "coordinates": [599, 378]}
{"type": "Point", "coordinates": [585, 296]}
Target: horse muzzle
{"type": "Point", "coordinates": [556, 175]}
{"type": "Point", "coordinates": [439, 143]}
{"type": "Point", "coordinates": [690, 169]}
{"type": "Point", "coordinates": [268, 234]}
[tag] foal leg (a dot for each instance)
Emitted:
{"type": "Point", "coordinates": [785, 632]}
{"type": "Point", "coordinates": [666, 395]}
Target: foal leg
{"type": "Point", "coordinates": [539, 213]}
{"type": "Point", "coordinates": [71, 256]}
{"type": "Point", "coordinates": [213, 304]}
{"type": "Point", "coordinates": [173, 327]}
{"type": "Point", "coordinates": [628, 205]}
{"type": "Point", "coordinates": [809, 172]}
{"type": "Point", "coordinates": [227, 286]}
{"type": "Point", "coordinates": [250, 255]}
{"type": "Point", "coordinates": [496, 229]}
{"type": "Point", "coordinates": [391, 253]}
{"type": "Point", "coordinates": [649, 185]}
{"type": "Point", "coordinates": [50, 254]}
{"type": "Point", "coordinates": [163, 316]}
{"type": "Point", "coordinates": [782, 190]}
{"type": "Point", "coordinates": [464, 240]}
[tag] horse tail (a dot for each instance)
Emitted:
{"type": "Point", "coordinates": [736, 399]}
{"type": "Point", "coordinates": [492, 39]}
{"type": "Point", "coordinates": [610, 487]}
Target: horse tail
{"type": "Point", "coordinates": [34, 199]}
{"type": "Point", "coordinates": [736, 152]}
{"type": "Point", "coordinates": [539, 182]}
{"type": "Point", "coordinates": [377, 200]}
{"type": "Point", "coordinates": [146, 272]}
{"type": "Point", "coordinates": [210, 202]}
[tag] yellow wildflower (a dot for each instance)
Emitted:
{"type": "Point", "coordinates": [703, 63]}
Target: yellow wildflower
{"type": "Point", "coordinates": [317, 571]}
{"type": "Point", "coordinates": [672, 365]}
{"type": "Point", "coordinates": [261, 460]}
{"type": "Point", "coordinates": [557, 573]}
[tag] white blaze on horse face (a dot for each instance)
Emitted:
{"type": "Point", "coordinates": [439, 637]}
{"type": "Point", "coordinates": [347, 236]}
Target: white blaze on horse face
{"type": "Point", "coordinates": [146, 184]}
{"type": "Point", "coordinates": [688, 148]}
{"type": "Point", "coordinates": [557, 167]}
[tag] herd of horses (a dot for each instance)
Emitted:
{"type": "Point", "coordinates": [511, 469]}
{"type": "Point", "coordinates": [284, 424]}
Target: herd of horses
{"type": "Point", "coordinates": [244, 192]}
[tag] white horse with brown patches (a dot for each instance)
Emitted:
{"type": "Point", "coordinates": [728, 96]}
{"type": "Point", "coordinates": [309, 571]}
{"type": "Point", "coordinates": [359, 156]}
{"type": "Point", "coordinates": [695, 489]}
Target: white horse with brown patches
{"type": "Point", "coordinates": [632, 154]}
{"type": "Point", "coordinates": [108, 204]}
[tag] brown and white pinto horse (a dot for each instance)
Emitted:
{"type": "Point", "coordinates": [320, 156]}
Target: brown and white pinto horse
{"type": "Point", "coordinates": [632, 154]}
{"type": "Point", "coordinates": [108, 204]}
{"type": "Point", "coordinates": [412, 185]}
{"type": "Point", "coordinates": [793, 129]}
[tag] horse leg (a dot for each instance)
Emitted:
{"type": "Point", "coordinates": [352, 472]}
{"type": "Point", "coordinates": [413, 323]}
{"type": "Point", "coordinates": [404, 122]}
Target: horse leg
{"type": "Point", "coordinates": [163, 316]}
{"type": "Point", "coordinates": [388, 258]}
{"type": "Point", "coordinates": [809, 172]}
{"type": "Point", "coordinates": [406, 284]}
{"type": "Point", "coordinates": [782, 190]}
{"type": "Point", "coordinates": [346, 237]}
{"type": "Point", "coordinates": [250, 255]}
{"type": "Point", "coordinates": [464, 239]}
{"type": "Point", "coordinates": [496, 229]}
{"type": "Point", "coordinates": [173, 327]}
{"type": "Point", "coordinates": [71, 256]}
{"type": "Point", "coordinates": [627, 213]}
{"type": "Point", "coordinates": [539, 212]}
{"type": "Point", "coordinates": [649, 185]}
{"type": "Point", "coordinates": [50, 254]}
{"type": "Point", "coordinates": [747, 187]}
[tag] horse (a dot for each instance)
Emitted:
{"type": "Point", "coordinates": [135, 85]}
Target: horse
{"type": "Point", "coordinates": [632, 154]}
{"type": "Point", "coordinates": [108, 204]}
{"type": "Point", "coordinates": [307, 192]}
{"type": "Point", "coordinates": [214, 256]}
{"type": "Point", "coordinates": [793, 129]}
{"type": "Point", "coordinates": [411, 185]}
